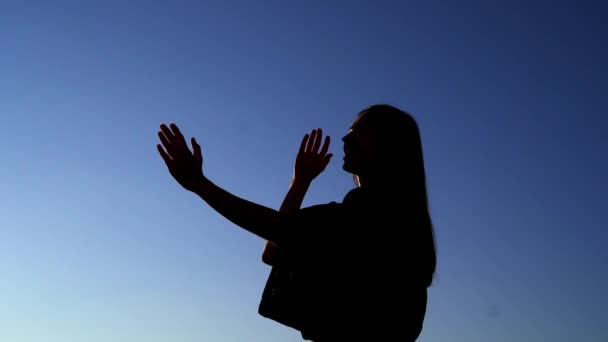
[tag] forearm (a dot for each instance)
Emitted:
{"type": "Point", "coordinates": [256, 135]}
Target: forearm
{"type": "Point", "coordinates": [295, 196]}
{"type": "Point", "coordinates": [292, 202]}
{"type": "Point", "coordinates": [257, 219]}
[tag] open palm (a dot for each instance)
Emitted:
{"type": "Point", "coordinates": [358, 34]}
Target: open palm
{"type": "Point", "coordinates": [310, 162]}
{"type": "Point", "coordinates": [185, 166]}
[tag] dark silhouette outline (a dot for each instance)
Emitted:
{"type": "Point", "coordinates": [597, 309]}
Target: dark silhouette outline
{"type": "Point", "coordinates": [345, 270]}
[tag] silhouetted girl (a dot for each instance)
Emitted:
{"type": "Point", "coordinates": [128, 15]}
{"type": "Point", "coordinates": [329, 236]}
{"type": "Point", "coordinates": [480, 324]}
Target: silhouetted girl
{"type": "Point", "coordinates": [353, 270]}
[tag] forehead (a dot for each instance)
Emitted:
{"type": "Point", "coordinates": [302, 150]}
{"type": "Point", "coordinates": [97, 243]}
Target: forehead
{"type": "Point", "coordinates": [362, 121]}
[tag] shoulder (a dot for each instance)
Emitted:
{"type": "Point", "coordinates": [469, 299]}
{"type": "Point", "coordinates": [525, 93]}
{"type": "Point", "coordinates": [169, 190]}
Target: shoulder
{"type": "Point", "coordinates": [318, 209]}
{"type": "Point", "coordinates": [313, 215]}
{"type": "Point", "coordinates": [308, 222]}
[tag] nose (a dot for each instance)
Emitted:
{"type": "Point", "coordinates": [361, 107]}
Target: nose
{"type": "Point", "coordinates": [347, 137]}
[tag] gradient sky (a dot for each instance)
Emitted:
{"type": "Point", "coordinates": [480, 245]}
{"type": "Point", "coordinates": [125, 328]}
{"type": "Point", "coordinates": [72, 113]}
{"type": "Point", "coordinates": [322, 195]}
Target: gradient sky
{"type": "Point", "coordinates": [99, 243]}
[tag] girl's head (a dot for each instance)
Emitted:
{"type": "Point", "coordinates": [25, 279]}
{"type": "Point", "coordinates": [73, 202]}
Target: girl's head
{"type": "Point", "coordinates": [383, 150]}
{"type": "Point", "coordinates": [384, 144]}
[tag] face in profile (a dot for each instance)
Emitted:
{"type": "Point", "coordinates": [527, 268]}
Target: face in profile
{"type": "Point", "coordinates": [360, 147]}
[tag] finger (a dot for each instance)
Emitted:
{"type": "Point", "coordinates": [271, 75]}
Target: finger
{"type": "Point", "coordinates": [168, 134]}
{"type": "Point", "coordinates": [325, 146]}
{"type": "Point", "coordinates": [164, 140]}
{"type": "Point", "coordinates": [197, 149]}
{"type": "Point", "coordinates": [303, 144]}
{"type": "Point", "coordinates": [326, 160]}
{"type": "Point", "coordinates": [178, 135]}
{"type": "Point", "coordinates": [164, 154]}
{"type": "Point", "coordinates": [318, 140]}
{"type": "Point", "coordinates": [311, 140]}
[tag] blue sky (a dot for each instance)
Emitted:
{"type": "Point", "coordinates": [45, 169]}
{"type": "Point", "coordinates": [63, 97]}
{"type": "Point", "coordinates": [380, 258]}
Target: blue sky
{"type": "Point", "coordinates": [98, 243]}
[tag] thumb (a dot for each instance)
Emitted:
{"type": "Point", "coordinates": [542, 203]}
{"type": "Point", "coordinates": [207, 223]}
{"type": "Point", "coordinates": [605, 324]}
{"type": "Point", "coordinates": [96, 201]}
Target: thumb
{"type": "Point", "coordinates": [197, 149]}
{"type": "Point", "coordinates": [326, 159]}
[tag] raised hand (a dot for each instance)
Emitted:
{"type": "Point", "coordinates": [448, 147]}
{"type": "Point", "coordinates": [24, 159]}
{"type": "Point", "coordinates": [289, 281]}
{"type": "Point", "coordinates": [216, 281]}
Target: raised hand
{"type": "Point", "coordinates": [310, 162]}
{"type": "Point", "coordinates": [185, 166]}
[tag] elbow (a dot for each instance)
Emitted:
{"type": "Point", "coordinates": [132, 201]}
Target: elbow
{"type": "Point", "coordinates": [274, 233]}
{"type": "Point", "coordinates": [269, 254]}
{"type": "Point", "coordinates": [267, 259]}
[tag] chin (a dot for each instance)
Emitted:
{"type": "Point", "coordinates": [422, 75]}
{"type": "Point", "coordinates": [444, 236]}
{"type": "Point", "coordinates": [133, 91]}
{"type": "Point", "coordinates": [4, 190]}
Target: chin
{"type": "Point", "coordinates": [348, 167]}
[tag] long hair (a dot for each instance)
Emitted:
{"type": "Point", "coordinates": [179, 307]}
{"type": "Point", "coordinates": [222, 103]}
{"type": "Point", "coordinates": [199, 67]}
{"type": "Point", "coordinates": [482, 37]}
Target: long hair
{"type": "Point", "coordinates": [400, 161]}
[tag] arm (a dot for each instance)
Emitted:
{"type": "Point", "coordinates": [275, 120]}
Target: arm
{"type": "Point", "coordinates": [292, 202]}
{"type": "Point", "coordinates": [257, 219]}
{"type": "Point", "coordinates": [310, 162]}
{"type": "Point", "coordinates": [186, 167]}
